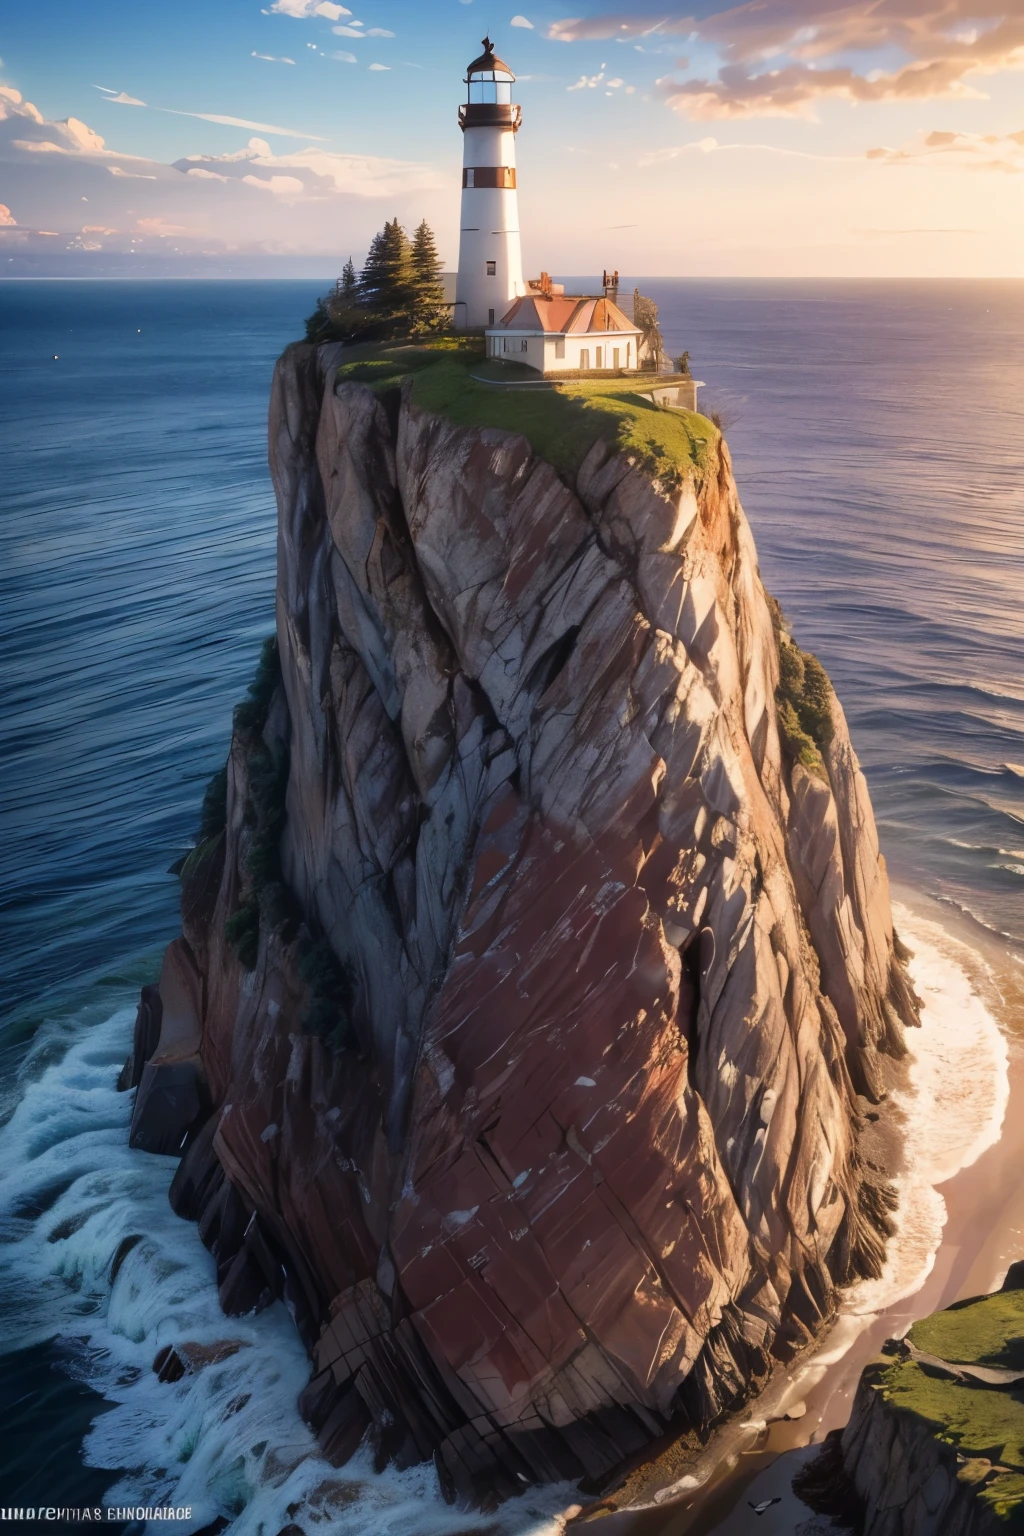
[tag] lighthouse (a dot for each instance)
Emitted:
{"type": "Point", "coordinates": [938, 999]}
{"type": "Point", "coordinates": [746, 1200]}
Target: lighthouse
{"type": "Point", "coordinates": [490, 262]}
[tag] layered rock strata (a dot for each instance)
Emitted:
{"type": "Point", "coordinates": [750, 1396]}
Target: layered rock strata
{"type": "Point", "coordinates": [585, 1163]}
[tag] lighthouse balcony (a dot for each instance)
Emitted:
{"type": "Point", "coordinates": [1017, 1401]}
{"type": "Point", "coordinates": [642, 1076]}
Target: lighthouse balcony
{"type": "Point", "coordinates": [490, 114]}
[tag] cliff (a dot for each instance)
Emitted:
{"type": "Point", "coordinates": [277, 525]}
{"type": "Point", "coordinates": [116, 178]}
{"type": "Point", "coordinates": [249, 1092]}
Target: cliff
{"type": "Point", "coordinates": [528, 977]}
{"type": "Point", "coordinates": [935, 1442]}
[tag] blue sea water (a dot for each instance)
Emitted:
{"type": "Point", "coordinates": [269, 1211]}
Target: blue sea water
{"type": "Point", "coordinates": [877, 434]}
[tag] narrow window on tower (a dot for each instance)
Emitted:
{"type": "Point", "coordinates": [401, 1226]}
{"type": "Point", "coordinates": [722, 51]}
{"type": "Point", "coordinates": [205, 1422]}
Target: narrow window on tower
{"type": "Point", "coordinates": [490, 317]}
{"type": "Point", "coordinates": [492, 269]}
{"type": "Point", "coordinates": [469, 177]}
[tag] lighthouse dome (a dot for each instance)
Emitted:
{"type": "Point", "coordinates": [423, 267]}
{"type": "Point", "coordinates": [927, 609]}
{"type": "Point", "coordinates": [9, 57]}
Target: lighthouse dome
{"type": "Point", "coordinates": [488, 66]}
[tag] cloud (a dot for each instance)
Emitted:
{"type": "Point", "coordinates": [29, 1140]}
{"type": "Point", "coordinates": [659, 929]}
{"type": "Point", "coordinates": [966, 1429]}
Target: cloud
{"type": "Point", "coordinates": [217, 117]}
{"type": "Point", "coordinates": [204, 208]}
{"type": "Point", "coordinates": [270, 58]}
{"type": "Point", "coordinates": [521, 21]}
{"type": "Point", "coordinates": [379, 32]}
{"type": "Point", "coordinates": [347, 31]}
{"type": "Point", "coordinates": [711, 146]}
{"type": "Point", "coordinates": [343, 57]}
{"type": "Point", "coordinates": [7, 219]}
{"type": "Point", "coordinates": [320, 173]}
{"type": "Point", "coordinates": [281, 186]}
{"type": "Point", "coordinates": [380, 66]}
{"type": "Point", "coordinates": [586, 82]}
{"type": "Point", "coordinates": [304, 10]}
{"type": "Point", "coordinates": [778, 57]}
{"type": "Point", "coordinates": [958, 151]}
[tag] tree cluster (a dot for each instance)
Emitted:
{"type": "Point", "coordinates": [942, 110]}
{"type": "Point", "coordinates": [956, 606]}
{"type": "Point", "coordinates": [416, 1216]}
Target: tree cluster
{"type": "Point", "coordinates": [398, 293]}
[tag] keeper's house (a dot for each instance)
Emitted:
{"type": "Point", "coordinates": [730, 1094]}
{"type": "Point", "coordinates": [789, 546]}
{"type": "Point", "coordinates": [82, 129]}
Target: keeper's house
{"type": "Point", "coordinates": [554, 332]}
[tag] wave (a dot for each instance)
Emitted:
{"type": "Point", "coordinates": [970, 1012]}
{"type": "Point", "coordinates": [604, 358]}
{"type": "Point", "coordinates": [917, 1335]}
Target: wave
{"type": "Point", "coordinates": [953, 1106]}
{"type": "Point", "coordinates": [228, 1440]}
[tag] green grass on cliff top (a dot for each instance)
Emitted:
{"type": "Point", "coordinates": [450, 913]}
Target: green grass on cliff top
{"type": "Point", "coordinates": [561, 423]}
{"type": "Point", "coordinates": [982, 1424]}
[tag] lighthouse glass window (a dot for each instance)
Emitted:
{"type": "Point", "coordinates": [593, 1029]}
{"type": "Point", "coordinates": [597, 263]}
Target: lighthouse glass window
{"type": "Point", "coordinates": [492, 89]}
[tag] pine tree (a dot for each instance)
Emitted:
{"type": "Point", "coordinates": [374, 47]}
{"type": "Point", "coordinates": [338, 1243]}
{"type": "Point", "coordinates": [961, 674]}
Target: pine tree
{"type": "Point", "coordinates": [386, 282]}
{"type": "Point", "coordinates": [429, 311]}
{"type": "Point", "coordinates": [348, 283]}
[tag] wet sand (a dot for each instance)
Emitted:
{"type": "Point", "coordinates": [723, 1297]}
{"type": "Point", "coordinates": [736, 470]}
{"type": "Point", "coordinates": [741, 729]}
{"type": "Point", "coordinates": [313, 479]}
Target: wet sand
{"type": "Point", "coordinates": [755, 1455]}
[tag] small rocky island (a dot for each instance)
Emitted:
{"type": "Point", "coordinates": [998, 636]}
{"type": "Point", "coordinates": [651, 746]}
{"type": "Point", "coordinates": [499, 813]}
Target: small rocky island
{"type": "Point", "coordinates": [537, 973]}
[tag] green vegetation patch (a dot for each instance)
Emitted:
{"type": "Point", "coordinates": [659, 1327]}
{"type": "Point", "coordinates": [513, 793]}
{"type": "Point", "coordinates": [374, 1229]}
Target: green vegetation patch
{"type": "Point", "coordinates": [803, 698]}
{"type": "Point", "coordinates": [562, 421]}
{"type": "Point", "coordinates": [984, 1424]}
{"type": "Point", "coordinates": [978, 1421]}
{"type": "Point", "coordinates": [986, 1331]}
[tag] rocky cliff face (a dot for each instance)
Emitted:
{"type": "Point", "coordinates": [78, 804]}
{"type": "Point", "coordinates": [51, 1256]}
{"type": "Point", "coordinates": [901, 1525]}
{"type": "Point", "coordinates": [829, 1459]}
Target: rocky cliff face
{"type": "Point", "coordinates": [582, 1158]}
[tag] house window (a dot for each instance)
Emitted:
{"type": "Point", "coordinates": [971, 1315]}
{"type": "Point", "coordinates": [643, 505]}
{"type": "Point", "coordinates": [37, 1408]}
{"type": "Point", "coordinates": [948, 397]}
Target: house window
{"type": "Point", "coordinates": [490, 317]}
{"type": "Point", "coordinates": [629, 345]}
{"type": "Point", "coordinates": [585, 358]}
{"type": "Point", "coordinates": [615, 357]}
{"type": "Point", "coordinates": [560, 346]}
{"type": "Point", "coordinates": [469, 177]}
{"type": "Point", "coordinates": [492, 269]}
{"type": "Point", "coordinates": [599, 356]}
{"type": "Point", "coordinates": [524, 345]}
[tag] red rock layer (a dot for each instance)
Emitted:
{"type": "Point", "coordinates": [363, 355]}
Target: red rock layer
{"type": "Point", "coordinates": [618, 964]}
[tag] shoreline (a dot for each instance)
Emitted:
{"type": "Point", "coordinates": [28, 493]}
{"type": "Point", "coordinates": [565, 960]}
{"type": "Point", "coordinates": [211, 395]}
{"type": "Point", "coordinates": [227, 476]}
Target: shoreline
{"type": "Point", "coordinates": [971, 1199]}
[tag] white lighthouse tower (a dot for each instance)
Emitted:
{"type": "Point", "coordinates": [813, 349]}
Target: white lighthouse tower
{"type": "Point", "coordinates": [490, 261]}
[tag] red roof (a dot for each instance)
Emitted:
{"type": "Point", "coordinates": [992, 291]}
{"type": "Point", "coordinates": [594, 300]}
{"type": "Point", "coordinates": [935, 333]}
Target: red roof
{"type": "Point", "coordinates": [565, 315]}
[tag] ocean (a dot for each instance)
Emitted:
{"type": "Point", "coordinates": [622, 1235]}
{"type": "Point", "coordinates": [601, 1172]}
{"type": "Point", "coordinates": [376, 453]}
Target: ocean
{"type": "Point", "coordinates": [877, 434]}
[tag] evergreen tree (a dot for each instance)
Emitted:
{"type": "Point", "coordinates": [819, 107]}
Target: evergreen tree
{"type": "Point", "coordinates": [348, 283]}
{"type": "Point", "coordinates": [430, 310]}
{"type": "Point", "coordinates": [386, 282]}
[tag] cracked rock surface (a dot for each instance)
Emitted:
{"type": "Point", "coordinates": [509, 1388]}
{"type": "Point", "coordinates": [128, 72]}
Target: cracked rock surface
{"type": "Point", "coordinates": [589, 1164]}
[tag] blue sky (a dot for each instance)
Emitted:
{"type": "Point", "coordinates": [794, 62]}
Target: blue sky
{"type": "Point", "coordinates": [779, 137]}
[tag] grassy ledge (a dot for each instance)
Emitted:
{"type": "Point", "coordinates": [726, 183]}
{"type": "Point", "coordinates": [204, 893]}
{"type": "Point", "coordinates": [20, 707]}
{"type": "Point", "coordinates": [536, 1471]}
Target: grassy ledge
{"type": "Point", "coordinates": [985, 1425]}
{"type": "Point", "coordinates": [562, 421]}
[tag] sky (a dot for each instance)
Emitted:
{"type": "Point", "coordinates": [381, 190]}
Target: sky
{"type": "Point", "coordinates": [776, 138]}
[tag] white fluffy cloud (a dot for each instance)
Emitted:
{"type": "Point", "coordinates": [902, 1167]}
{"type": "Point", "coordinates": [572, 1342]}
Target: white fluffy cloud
{"type": "Point", "coordinates": [304, 10]}
{"type": "Point", "coordinates": [7, 219]}
{"type": "Point", "coordinates": [272, 58]}
{"type": "Point", "coordinates": [521, 21]}
{"type": "Point", "coordinates": [281, 186]}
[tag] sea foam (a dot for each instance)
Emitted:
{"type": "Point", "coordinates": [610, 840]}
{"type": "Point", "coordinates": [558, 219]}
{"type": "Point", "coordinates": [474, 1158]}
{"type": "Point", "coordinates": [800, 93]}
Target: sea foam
{"type": "Point", "coordinates": [228, 1440]}
{"type": "Point", "coordinates": [953, 1105]}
